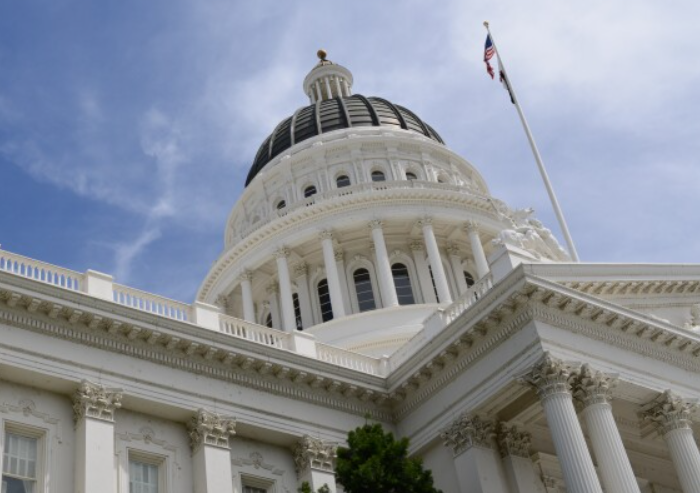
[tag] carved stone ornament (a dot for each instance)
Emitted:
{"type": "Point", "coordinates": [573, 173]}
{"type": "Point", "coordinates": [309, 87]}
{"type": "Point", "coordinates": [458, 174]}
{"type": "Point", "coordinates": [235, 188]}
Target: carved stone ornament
{"type": "Point", "coordinates": [96, 401]}
{"type": "Point", "coordinates": [375, 223]}
{"type": "Point", "coordinates": [669, 412]}
{"type": "Point", "coordinates": [338, 255]}
{"type": "Point", "coordinates": [326, 234]}
{"type": "Point", "coordinates": [513, 442]}
{"type": "Point", "coordinates": [282, 252]}
{"type": "Point", "coordinates": [207, 428]}
{"type": "Point", "coordinates": [425, 221]}
{"type": "Point", "coordinates": [550, 376]}
{"type": "Point", "coordinates": [468, 431]}
{"type": "Point", "coordinates": [300, 269]}
{"type": "Point", "coordinates": [416, 245]}
{"type": "Point", "coordinates": [246, 275]}
{"type": "Point", "coordinates": [315, 454]}
{"type": "Point", "coordinates": [471, 226]}
{"type": "Point", "coordinates": [592, 387]}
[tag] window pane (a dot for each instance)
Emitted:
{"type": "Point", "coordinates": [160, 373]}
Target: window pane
{"type": "Point", "coordinates": [378, 176]}
{"type": "Point", "coordinates": [324, 300]}
{"type": "Point", "coordinates": [297, 310]}
{"type": "Point", "coordinates": [281, 204]}
{"type": "Point", "coordinates": [363, 287]}
{"type": "Point", "coordinates": [411, 176]}
{"type": "Point", "coordinates": [268, 320]}
{"type": "Point", "coordinates": [19, 456]}
{"type": "Point", "coordinates": [404, 291]}
{"type": "Point", "coordinates": [342, 181]}
{"type": "Point", "coordinates": [14, 485]}
{"type": "Point", "coordinates": [309, 191]}
{"type": "Point", "coordinates": [143, 477]}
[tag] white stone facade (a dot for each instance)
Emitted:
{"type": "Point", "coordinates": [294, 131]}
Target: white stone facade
{"type": "Point", "coordinates": [530, 374]}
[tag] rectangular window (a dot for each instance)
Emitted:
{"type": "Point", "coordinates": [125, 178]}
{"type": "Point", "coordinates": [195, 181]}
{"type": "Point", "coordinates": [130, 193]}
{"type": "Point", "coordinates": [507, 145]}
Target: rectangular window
{"type": "Point", "coordinates": [144, 477]}
{"type": "Point", "coordinates": [19, 464]}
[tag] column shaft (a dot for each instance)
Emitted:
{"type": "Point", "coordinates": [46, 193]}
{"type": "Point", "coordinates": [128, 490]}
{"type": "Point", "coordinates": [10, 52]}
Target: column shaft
{"type": "Point", "coordinates": [615, 470]}
{"type": "Point", "coordinates": [94, 461]}
{"type": "Point", "coordinates": [386, 278]}
{"type": "Point", "coordinates": [482, 266]}
{"type": "Point", "coordinates": [570, 445]}
{"type": "Point", "coordinates": [334, 287]}
{"type": "Point", "coordinates": [426, 285]}
{"type": "Point", "coordinates": [328, 87]}
{"type": "Point", "coordinates": [248, 306]}
{"type": "Point", "coordinates": [275, 309]}
{"type": "Point", "coordinates": [211, 470]}
{"type": "Point", "coordinates": [337, 87]}
{"type": "Point", "coordinates": [304, 296]}
{"type": "Point", "coordinates": [685, 457]}
{"type": "Point", "coordinates": [438, 269]}
{"type": "Point", "coordinates": [288, 318]}
{"type": "Point", "coordinates": [318, 91]}
{"type": "Point", "coordinates": [456, 263]}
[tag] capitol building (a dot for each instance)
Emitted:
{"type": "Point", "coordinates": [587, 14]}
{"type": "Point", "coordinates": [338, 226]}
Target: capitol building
{"type": "Point", "coordinates": [367, 273]}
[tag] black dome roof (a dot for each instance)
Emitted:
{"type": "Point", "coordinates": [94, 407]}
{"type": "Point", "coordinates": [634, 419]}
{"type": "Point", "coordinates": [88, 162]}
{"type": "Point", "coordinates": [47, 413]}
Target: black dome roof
{"type": "Point", "coordinates": [335, 114]}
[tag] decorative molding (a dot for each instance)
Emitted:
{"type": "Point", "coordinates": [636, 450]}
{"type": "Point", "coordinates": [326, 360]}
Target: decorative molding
{"type": "Point", "coordinates": [669, 412]}
{"type": "Point", "coordinates": [257, 461]}
{"type": "Point", "coordinates": [246, 275]}
{"type": "Point", "coordinates": [513, 442]}
{"type": "Point", "coordinates": [375, 224]}
{"type": "Point", "coordinates": [313, 453]}
{"type": "Point", "coordinates": [338, 255]}
{"type": "Point", "coordinates": [468, 431]}
{"type": "Point", "coordinates": [325, 234]}
{"type": "Point", "coordinates": [301, 269]}
{"type": "Point", "coordinates": [453, 249]}
{"type": "Point", "coordinates": [592, 387]}
{"type": "Point", "coordinates": [27, 407]}
{"type": "Point", "coordinates": [549, 376]}
{"type": "Point", "coordinates": [282, 252]}
{"type": "Point", "coordinates": [416, 245]}
{"type": "Point", "coordinates": [207, 428]}
{"type": "Point", "coordinates": [471, 226]}
{"type": "Point", "coordinates": [96, 401]}
{"type": "Point", "coordinates": [425, 221]}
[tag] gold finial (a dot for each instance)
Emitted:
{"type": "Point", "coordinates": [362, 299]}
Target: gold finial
{"type": "Point", "coordinates": [321, 54]}
{"type": "Point", "coordinates": [486, 24]}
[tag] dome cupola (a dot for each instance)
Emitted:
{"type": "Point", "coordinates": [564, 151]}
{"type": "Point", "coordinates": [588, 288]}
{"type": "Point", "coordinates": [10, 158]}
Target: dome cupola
{"type": "Point", "coordinates": [327, 80]}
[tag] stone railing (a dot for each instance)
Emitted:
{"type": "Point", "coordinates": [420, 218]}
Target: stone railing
{"type": "Point", "coordinates": [441, 319]}
{"type": "Point", "coordinates": [349, 359]}
{"type": "Point", "coordinates": [360, 188]}
{"type": "Point", "coordinates": [152, 303]}
{"type": "Point", "coordinates": [40, 271]}
{"type": "Point", "coordinates": [253, 332]}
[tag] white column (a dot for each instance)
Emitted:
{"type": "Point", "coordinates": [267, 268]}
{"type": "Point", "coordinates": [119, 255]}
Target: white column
{"type": "Point", "coordinates": [671, 414]}
{"type": "Point", "coordinates": [272, 290]}
{"type": "Point", "coordinates": [476, 461]}
{"type": "Point", "coordinates": [482, 266]}
{"type": "Point", "coordinates": [312, 98]}
{"type": "Point", "coordinates": [318, 91]}
{"type": "Point", "coordinates": [328, 87]}
{"type": "Point", "coordinates": [346, 87]}
{"type": "Point", "coordinates": [315, 461]}
{"type": "Point", "coordinates": [593, 390]}
{"type": "Point", "coordinates": [211, 452]}
{"type": "Point", "coordinates": [288, 318]}
{"type": "Point", "coordinates": [247, 294]}
{"type": "Point", "coordinates": [334, 287]}
{"type": "Point", "coordinates": [339, 91]}
{"type": "Point", "coordinates": [426, 285]}
{"type": "Point", "coordinates": [458, 272]}
{"type": "Point", "coordinates": [386, 278]}
{"type": "Point", "coordinates": [439, 276]}
{"type": "Point", "coordinates": [514, 446]}
{"type": "Point", "coordinates": [94, 408]}
{"type": "Point", "coordinates": [550, 379]}
{"type": "Point", "coordinates": [300, 271]}
{"type": "Point", "coordinates": [343, 279]}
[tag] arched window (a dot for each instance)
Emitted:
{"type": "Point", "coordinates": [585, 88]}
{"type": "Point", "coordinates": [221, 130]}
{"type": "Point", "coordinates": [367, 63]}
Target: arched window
{"type": "Point", "coordinates": [378, 176]}
{"type": "Point", "coordinates": [297, 311]}
{"type": "Point", "coordinates": [342, 181]}
{"type": "Point", "coordinates": [281, 204]}
{"type": "Point", "coordinates": [469, 278]}
{"type": "Point", "coordinates": [411, 176]}
{"type": "Point", "coordinates": [309, 191]}
{"type": "Point", "coordinates": [363, 288]}
{"type": "Point", "coordinates": [324, 301]}
{"type": "Point", "coordinates": [268, 320]}
{"type": "Point", "coordinates": [404, 291]}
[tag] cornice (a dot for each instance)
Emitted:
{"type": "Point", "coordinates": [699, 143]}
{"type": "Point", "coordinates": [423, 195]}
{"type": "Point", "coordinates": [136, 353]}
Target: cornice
{"type": "Point", "coordinates": [625, 288]}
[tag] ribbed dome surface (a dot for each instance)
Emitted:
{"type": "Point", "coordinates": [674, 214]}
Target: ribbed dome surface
{"type": "Point", "coordinates": [335, 114]}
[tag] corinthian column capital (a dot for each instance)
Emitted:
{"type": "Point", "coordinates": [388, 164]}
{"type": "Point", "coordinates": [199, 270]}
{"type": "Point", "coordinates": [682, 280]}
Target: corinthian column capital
{"type": "Point", "coordinates": [513, 442]}
{"type": "Point", "coordinates": [471, 226]}
{"type": "Point", "coordinates": [468, 431]}
{"type": "Point", "coordinates": [592, 387]}
{"type": "Point", "coordinates": [207, 428]}
{"type": "Point", "coordinates": [312, 453]}
{"type": "Point", "coordinates": [669, 412]}
{"type": "Point", "coordinates": [375, 224]}
{"type": "Point", "coordinates": [549, 376]}
{"type": "Point", "coordinates": [325, 234]}
{"type": "Point", "coordinates": [96, 401]}
{"type": "Point", "coordinates": [282, 252]}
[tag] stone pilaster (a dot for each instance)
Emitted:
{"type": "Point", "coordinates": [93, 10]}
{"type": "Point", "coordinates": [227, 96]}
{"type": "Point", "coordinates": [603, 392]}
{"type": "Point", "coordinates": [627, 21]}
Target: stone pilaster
{"type": "Point", "coordinates": [211, 456]}
{"type": "Point", "coordinates": [96, 401]}
{"type": "Point", "coordinates": [469, 431]}
{"type": "Point", "coordinates": [513, 442]}
{"type": "Point", "coordinates": [315, 462]}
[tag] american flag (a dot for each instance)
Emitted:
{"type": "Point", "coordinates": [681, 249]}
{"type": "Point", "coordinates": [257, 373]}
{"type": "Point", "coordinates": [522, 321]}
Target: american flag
{"type": "Point", "coordinates": [488, 54]}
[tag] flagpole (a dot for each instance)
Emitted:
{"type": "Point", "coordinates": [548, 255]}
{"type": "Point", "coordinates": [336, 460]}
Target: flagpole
{"type": "Point", "coordinates": [538, 158]}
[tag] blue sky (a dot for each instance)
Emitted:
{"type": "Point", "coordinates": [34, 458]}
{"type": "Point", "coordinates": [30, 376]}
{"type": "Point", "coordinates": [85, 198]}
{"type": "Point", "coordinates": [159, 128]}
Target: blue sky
{"type": "Point", "coordinates": [127, 128]}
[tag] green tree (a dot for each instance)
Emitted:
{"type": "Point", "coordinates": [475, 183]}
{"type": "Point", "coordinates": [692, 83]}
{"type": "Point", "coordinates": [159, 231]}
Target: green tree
{"type": "Point", "coordinates": [375, 462]}
{"type": "Point", "coordinates": [306, 488]}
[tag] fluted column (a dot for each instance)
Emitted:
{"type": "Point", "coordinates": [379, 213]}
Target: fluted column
{"type": "Point", "coordinates": [431, 245]}
{"type": "Point", "coordinates": [211, 452]}
{"type": "Point", "coordinates": [386, 278]}
{"type": "Point", "coordinates": [593, 390]}
{"type": "Point", "coordinates": [328, 87]}
{"type": "Point", "coordinates": [671, 415]}
{"type": "Point", "coordinates": [338, 90]}
{"type": "Point", "coordinates": [334, 287]}
{"type": "Point", "coordinates": [456, 263]}
{"type": "Point", "coordinates": [318, 91]}
{"type": "Point", "coordinates": [300, 276]}
{"type": "Point", "coordinates": [289, 322]}
{"type": "Point", "coordinates": [94, 407]}
{"type": "Point", "coordinates": [426, 285]}
{"type": "Point", "coordinates": [482, 266]}
{"type": "Point", "coordinates": [247, 293]}
{"type": "Point", "coordinates": [550, 378]}
{"type": "Point", "coordinates": [315, 463]}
